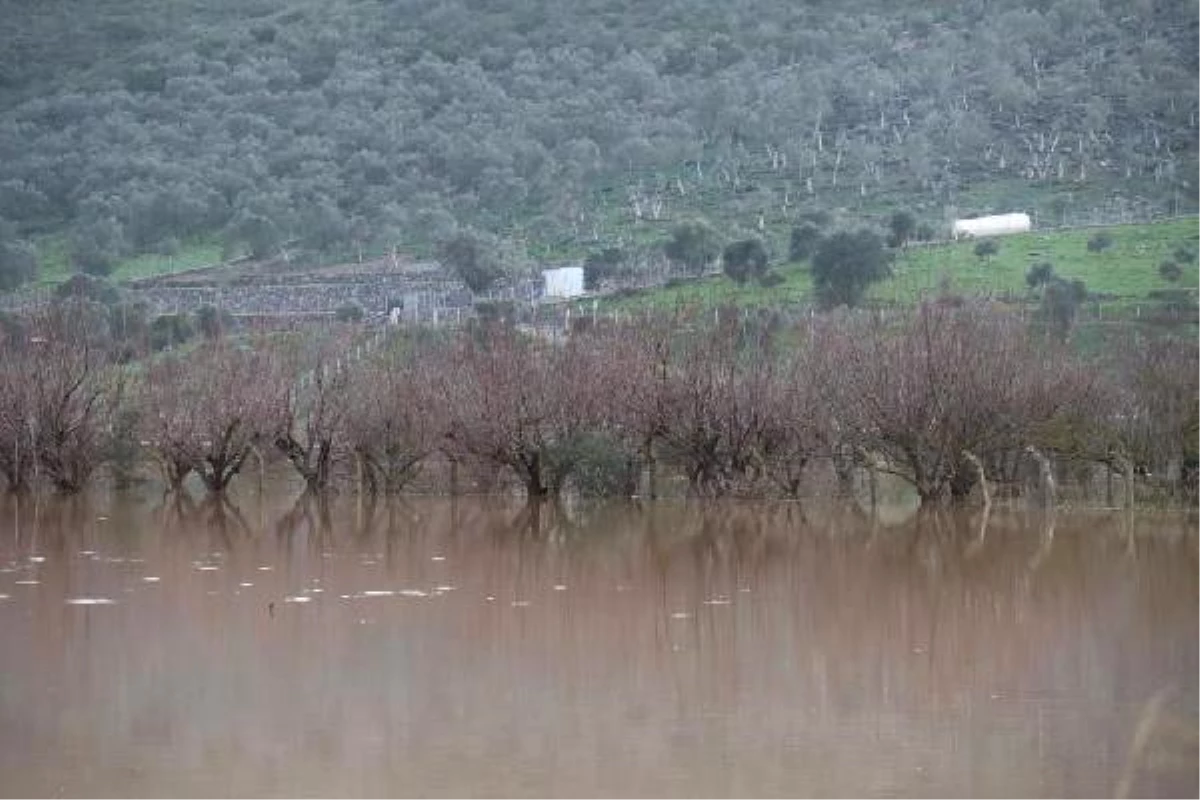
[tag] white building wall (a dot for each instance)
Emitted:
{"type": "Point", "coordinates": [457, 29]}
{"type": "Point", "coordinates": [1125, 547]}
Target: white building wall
{"type": "Point", "coordinates": [563, 282]}
{"type": "Point", "coordinates": [998, 225]}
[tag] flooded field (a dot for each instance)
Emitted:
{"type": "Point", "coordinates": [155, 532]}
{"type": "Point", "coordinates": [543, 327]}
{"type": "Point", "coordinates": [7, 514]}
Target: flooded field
{"type": "Point", "coordinates": [471, 647]}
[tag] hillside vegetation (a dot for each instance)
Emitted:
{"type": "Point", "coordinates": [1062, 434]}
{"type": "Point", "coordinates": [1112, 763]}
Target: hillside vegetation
{"type": "Point", "coordinates": [136, 126]}
{"type": "Point", "coordinates": [1127, 269]}
{"type": "Point", "coordinates": [1127, 272]}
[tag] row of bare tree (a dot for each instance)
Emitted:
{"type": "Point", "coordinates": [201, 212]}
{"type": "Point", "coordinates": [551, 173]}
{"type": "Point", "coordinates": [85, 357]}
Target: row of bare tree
{"type": "Point", "coordinates": [937, 396]}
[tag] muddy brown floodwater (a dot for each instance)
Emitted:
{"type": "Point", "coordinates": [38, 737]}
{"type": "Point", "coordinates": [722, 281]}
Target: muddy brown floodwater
{"type": "Point", "coordinates": [469, 647]}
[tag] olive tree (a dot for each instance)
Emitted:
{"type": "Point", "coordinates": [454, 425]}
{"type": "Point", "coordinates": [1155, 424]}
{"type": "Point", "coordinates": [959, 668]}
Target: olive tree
{"type": "Point", "coordinates": [846, 264]}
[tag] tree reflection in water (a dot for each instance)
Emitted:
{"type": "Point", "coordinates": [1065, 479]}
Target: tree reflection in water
{"type": "Point", "coordinates": [442, 645]}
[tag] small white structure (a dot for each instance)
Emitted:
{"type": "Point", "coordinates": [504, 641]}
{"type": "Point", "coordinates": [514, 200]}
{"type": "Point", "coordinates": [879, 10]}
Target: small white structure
{"type": "Point", "coordinates": [563, 282]}
{"type": "Point", "coordinates": [998, 225]}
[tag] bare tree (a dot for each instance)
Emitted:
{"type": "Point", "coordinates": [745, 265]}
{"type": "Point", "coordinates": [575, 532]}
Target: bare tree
{"type": "Point", "coordinates": [1165, 381]}
{"type": "Point", "coordinates": [169, 423]}
{"type": "Point", "coordinates": [633, 364]}
{"type": "Point", "coordinates": [17, 453]}
{"type": "Point", "coordinates": [797, 422]}
{"type": "Point", "coordinates": [923, 390]}
{"type": "Point", "coordinates": [205, 411]}
{"type": "Point", "coordinates": [520, 403]}
{"type": "Point", "coordinates": [396, 417]}
{"type": "Point", "coordinates": [1150, 416]}
{"type": "Point", "coordinates": [71, 392]}
{"type": "Point", "coordinates": [943, 396]}
{"type": "Point", "coordinates": [716, 395]}
{"type": "Point", "coordinates": [312, 384]}
{"type": "Point", "coordinates": [725, 404]}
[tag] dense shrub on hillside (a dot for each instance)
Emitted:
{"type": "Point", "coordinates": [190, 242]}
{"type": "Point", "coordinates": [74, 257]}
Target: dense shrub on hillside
{"type": "Point", "coordinates": [473, 258]}
{"type": "Point", "coordinates": [86, 287]}
{"type": "Point", "coordinates": [1060, 303]}
{"type": "Point", "coordinates": [18, 264]}
{"type": "Point", "coordinates": [693, 246]}
{"type": "Point", "coordinates": [1039, 274]}
{"type": "Point", "coordinates": [902, 227]}
{"type": "Point", "coordinates": [804, 241]}
{"type": "Point", "coordinates": [1099, 242]}
{"type": "Point", "coordinates": [168, 331]}
{"type": "Point", "coordinates": [745, 260]}
{"type": "Point", "coordinates": [846, 264]}
{"type": "Point", "coordinates": [96, 245]}
{"type": "Point", "coordinates": [213, 322]}
{"type": "Point", "coordinates": [987, 249]}
{"type": "Point", "coordinates": [347, 125]}
{"type": "Point", "coordinates": [598, 267]}
{"type": "Point", "coordinates": [1170, 271]}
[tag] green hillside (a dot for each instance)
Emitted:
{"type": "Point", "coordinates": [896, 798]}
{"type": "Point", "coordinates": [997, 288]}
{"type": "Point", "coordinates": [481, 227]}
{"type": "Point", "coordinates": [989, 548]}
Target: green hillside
{"type": "Point", "coordinates": [1128, 269]}
{"type": "Point", "coordinates": [135, 127]}
{"type": "Point", "coordinates": [55, 261]}
{"type": "Point", "coordinates": [1125, 272]}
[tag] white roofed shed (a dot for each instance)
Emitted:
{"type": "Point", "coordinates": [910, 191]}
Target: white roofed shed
{"type": "Point", "coordinates": [997, 225]}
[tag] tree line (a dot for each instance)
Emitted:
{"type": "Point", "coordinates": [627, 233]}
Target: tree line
{"type": "Point", "coordinates": [340, 127]}
{"type": "Point", "coordinates": [941, 396]}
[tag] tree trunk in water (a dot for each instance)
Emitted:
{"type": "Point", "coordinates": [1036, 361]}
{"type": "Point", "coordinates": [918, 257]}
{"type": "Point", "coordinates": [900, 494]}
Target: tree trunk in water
{"type": "Point", "coordinates": [313, 466]}
{"type": "Point", "coordinates": [843, 468]}
{"type": "Point", "coordinates": [962, 482]}
{"type": "Point", "coordinates": [873, 481]}
{"type": "Point", "coordinates": [215, 481]}
{"type": "Point", "coordinates": [534, 515]}
{"type": "Point", "coordinates": [983, 484]}
{"type": "Point", "coordinates": [175, 474]}
{"type": "Point", "coordinates": [535, 488]}
{"type": "Point", "coordinates": [16, 473]}
{"type": "Point", "coordinates": [1129, 487]}
{"type": "Point", "coordinates": [218, 472]}
{"type": "Point", "coordinates": [262, 466]}
{"type": "Point", "coordinates": [931, 496]}
{"type": "Point", "coordinates": [319, 478]}
{"type": "Point", "coordinates": [651, 470]}
{"type": "Point", "coordinates": [1046, 471]}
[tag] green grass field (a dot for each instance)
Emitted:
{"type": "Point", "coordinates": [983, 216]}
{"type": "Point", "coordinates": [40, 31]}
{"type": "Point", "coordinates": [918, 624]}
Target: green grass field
{"type": "Point", "coordinates": [1125, 272]}
{"type": "Point", "coordinates": [718, 290]}
{"type": "Point", "coordinates": [55, 265]}
{"type": "Point", "coordinates": [1123, 275]}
